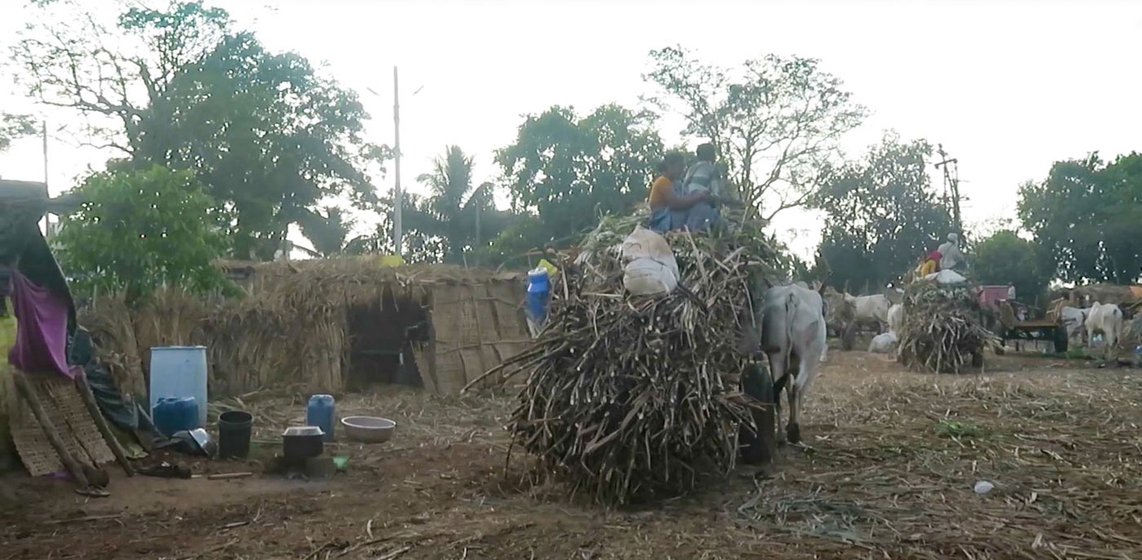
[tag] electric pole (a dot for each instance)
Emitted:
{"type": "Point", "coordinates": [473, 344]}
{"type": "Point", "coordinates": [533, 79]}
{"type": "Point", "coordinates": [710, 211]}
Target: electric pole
{"type": "Point", "coordinates": [47, 192]}
{"type": "Point", "coordinates": [398, 201]}
{"type": "Point", "coordinates": [950, 167]}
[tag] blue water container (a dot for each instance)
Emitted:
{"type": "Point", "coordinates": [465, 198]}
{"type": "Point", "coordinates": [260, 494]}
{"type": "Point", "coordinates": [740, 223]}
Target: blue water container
{"type": "Point", "coordinates": [538, 288]}
{"type": "Point", "coordinates": [320, 412]}
{"type": "Point", "coordinates": [176, 414]}
{"type": "Point", "coordinates": [179, 372]}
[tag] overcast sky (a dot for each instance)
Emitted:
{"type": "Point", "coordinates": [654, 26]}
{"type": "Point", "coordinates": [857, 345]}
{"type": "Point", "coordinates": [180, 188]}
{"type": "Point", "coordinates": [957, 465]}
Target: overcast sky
{"type": "Point", "coordinates": [1007, 87]}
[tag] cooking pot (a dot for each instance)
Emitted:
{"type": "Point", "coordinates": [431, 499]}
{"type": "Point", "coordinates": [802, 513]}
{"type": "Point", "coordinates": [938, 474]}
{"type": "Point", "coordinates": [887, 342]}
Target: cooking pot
{"type": "Point", "coordinates": [302, 442]}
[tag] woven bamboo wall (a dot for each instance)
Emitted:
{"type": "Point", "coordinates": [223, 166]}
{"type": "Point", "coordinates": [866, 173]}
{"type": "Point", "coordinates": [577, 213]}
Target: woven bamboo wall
{"type": "Point", "coordinates": [477, 326]}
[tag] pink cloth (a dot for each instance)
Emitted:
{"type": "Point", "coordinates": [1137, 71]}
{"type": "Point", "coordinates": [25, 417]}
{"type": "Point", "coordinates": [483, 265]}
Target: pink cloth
{"type": "Point", "coordinates": [41, 328]}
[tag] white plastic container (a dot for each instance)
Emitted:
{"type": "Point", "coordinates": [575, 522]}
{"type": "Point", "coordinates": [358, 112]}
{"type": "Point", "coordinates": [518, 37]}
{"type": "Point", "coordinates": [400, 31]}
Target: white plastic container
{"type": "Point", "coordinates": [179, 372]}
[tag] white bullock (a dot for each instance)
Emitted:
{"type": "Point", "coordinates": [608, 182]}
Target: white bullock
{"type": "Point", "coordinates": [1072, 319]}
{"type": "Point", "coordinates": [869, 309]}
{"type": "Point", "coordinates": [895, 317]}
{"type": "Point", "coordinates": [793, 337]}
{"type": "Point", "coordinates": [1105, 319]}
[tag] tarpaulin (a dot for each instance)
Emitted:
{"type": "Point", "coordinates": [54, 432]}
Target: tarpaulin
{"type": "Point", "coordinates": [41, 328]}
{"type": "Point", "coordinates": [122, 412]}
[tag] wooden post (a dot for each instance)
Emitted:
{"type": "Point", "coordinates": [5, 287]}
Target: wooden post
{"type": "Point", "coordinates": [101, 423]}
{"type": "Point", "coordinates": [24, 388]}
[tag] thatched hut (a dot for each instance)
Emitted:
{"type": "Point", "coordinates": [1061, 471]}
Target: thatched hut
{"type": "Point", "coordinates": [328, 325]}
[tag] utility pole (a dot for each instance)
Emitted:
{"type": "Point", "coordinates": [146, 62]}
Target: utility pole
{"type": "Point", "coordinates": [398, 197]}
{"type": "Point", "coordinates": [47, 193]}
{"type": "Point", "coordinates": [950, 167]}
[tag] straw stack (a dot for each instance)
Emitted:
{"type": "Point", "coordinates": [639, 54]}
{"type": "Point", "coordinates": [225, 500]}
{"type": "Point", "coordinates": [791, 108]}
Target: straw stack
{"type": "Point", "coordinates": [627, 396]}
{"type": "Point", "coordinates": [942, 329]}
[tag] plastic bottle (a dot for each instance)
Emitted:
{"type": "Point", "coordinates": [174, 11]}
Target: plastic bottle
{"type": "Point", "coordinates": [320, 412]}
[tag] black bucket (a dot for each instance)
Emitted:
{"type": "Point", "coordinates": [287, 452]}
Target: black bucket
{"type": "Point", "coordinates": [234, 429]}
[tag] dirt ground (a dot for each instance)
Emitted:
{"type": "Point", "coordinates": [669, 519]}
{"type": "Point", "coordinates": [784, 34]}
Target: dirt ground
{"type": "Point", "coordinates": [889, 471]}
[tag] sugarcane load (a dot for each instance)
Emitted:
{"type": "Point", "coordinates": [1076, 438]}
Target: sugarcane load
{"type": "Point", "coordinates": [635, 383]}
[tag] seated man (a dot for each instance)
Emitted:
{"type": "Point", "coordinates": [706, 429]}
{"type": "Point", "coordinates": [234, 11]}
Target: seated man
{"type": "Point", "coordinates": [670, 209]}
{"type": "Point", "coordinates": [703, 176]}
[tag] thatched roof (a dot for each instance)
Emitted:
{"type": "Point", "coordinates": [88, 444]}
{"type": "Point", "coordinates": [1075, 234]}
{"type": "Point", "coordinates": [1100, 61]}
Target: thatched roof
{"type": "Point", "coordinates": [33, 196]}
{"type": "Point", "coordinates": [320, 278]}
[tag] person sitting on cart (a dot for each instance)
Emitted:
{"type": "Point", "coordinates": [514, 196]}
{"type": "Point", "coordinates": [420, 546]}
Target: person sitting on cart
{"type": "Point", "coordinates": [931, 264]}
{"type": "Point", "coordinates": [669, 205]}
{"type": "Point", "coordinates": [704, 176]}
{"type": "Point", "coordinates": [950, 255]}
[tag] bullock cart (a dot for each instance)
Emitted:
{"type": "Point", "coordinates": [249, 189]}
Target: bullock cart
{"type": "Point", "coordinates": [633, 396]}
{"type": "Point", "coordinates": [1039, 330]}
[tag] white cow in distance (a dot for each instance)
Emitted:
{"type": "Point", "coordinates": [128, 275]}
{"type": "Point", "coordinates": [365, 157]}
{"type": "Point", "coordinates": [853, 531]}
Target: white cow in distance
{"type": "Point", "coordinates": [869, 309]}
{"type": "Point", "coordinates": [895, 317]}
{"type": "Point", "coordinates": [1105, 319]}
{"type": "Point", "coordinates": [1073, 319]}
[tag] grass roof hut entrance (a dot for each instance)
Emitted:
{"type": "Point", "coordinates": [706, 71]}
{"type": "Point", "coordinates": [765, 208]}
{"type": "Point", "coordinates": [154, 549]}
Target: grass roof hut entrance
{"type": "Point", "coordinates": [334, 325]}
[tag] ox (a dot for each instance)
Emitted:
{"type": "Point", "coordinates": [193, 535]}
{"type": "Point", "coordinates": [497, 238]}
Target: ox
{"type": "Point", "coordinates": [793, 338]}
{"type": "Point", "coordinates": [1105, 319]}
{"type": "Point", "coordinates": [895, 317]}
{"type": "Point", "coordinates": [870, 309]}
{"type": "Point", "coordinates": [1072, 319]}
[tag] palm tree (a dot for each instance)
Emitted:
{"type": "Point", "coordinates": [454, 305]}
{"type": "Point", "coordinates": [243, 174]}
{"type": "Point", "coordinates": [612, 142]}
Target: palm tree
{"type": "Point", "coordinates": [327, 229]}
{"type": "Point", "coordinates": [461, 215]}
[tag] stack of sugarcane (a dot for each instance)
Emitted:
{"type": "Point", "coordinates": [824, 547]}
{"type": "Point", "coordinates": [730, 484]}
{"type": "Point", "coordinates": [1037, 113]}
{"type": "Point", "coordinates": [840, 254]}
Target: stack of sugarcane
{"type": "Point", "coordinates": [942, 329]}
{"type": "Point", "coordinates": [628, 397]}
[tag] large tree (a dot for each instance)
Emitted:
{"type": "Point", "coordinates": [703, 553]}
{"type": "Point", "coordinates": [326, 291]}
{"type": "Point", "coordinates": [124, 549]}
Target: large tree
{"type": "Point", "coordinates": [1006, 258]}
{"type": "Point", "coordinates": [882, 215]}
{"type": "Point", "coordinates": [775, 120]}
{"type": "Point", "coordinates": [568, 170]}
{"type": "Point", "coordinates": [13, 127]}
{"type": "Point", "coordinates": [458, 213]}
{"type": "Point", "coordinates": [265, 133]}
{"type": "Point", "coordinates": [1088, 215]}
{"type": "Point", "coordinates": [137, 230]}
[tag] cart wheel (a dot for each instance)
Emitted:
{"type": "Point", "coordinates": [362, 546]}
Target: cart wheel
{"type": "Point", "coordinates": [759, 442]}
{"type": "Point", "coordinates": [1062, 342]}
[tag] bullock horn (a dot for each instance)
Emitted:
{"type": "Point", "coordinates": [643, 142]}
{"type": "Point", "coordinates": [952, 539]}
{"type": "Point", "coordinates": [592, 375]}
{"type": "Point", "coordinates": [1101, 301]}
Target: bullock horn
{"type": "Point", "coordinates": [768, 284]}
{"type": "Point", "coordinates": [821, 288]}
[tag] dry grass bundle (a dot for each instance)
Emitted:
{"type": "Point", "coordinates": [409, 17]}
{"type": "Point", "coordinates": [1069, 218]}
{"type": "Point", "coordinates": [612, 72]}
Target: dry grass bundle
{"type": "Point", "coordinates": [628, 397]}
{"type": "Point", "coordinates": [942, 330]}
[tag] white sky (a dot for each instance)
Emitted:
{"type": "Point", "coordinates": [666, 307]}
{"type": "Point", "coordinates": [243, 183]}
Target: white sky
{"type": "Point", "coordinates": [1008, 87]}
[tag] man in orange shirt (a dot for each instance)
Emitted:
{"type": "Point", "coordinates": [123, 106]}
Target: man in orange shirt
{"type": "Point", "coordinates": [669, 208]}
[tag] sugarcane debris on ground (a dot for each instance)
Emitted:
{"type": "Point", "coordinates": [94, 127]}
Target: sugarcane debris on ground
{"type": "Point", "coordinates": [942, 329]}
{"type": "Point", "coordinates": [626, 396]}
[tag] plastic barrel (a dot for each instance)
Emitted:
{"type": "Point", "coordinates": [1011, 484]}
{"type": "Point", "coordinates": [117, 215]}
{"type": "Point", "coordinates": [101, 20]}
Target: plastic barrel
{"type": "Point", "coordinates": [179, 372]}
{"type": "Point", "coordinates": [176, 414]}
{"type": "Point", "coordinates": [539, 286]}
{"type": "Point", "coordinates": [320, 412]}
{"type": "Point", "coordinates": [234, 428]}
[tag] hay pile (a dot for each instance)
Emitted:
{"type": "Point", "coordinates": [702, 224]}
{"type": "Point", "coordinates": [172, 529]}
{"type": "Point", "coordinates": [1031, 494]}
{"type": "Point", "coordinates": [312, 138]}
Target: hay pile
{"type": "Point", "coordinates": [942, 330]}
{"type": "Point", "coordinates": [628, 397]}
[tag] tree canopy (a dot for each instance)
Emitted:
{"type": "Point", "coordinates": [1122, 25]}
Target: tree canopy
{"type": "Point", "coordinates": [13, 127]}
{"type": "Point", "coordinates": [1006, 258]}
{"type": "Point", "coordinates": [461, 215]}
{"type": "Point", "coordinates": [1088, 215]}
{"type": "Point", "coordinates": [882, 215]}
{"type": "Point", "coordinates": [776, 121]}
{"type": "Point", "coordinates": [268, 136]}
{"type": "Point", "coordinates": [140, 229]}
{"type": "Point", "coordinates": [567, 170]}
